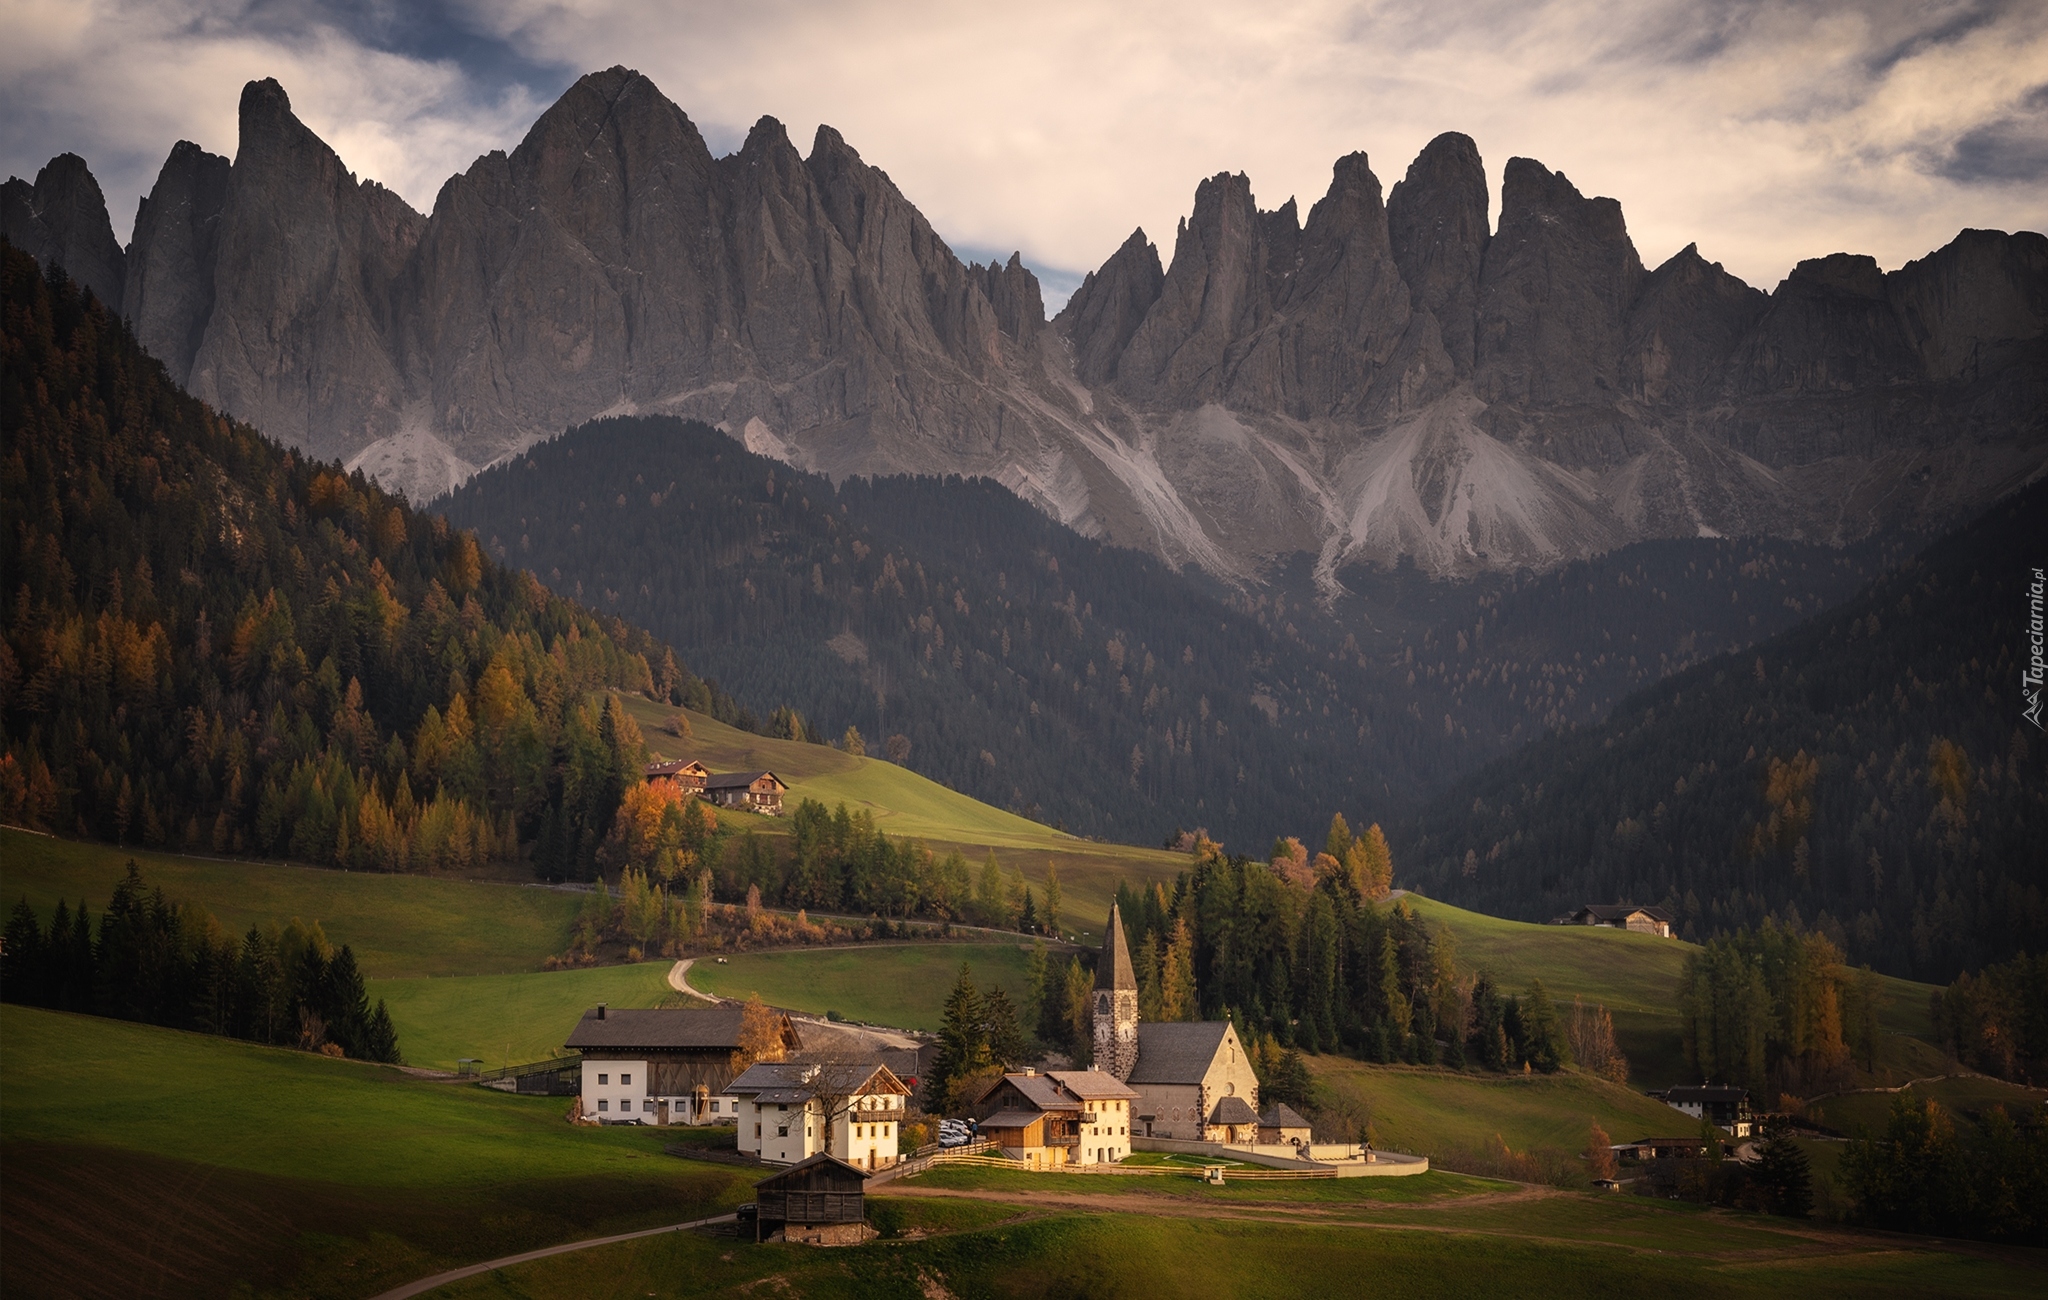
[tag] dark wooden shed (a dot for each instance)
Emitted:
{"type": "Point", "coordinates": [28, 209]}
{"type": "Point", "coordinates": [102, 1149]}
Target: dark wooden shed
{"type": "Point", "coordinates": [819, 1200]}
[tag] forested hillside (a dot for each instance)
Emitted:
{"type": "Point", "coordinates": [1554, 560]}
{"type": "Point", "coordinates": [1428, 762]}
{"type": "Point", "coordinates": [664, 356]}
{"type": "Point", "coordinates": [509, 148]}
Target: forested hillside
{"type": "Point", "coordinates": [1017, 661]}
{"type": "Point", "coordinates": [1869, 772]}
{"type": "Point", "coordinates": [213, 643]}
{"type": "Point", "coordinates": [1092, 686]}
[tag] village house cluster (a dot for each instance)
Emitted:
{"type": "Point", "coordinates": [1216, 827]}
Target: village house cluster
{"type": "Point", "coordinates": [1175, 1087]}
{"type": "Point", "coordinates": [759, 792]}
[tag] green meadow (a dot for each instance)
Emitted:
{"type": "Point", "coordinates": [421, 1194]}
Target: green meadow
{"type": "Point", "coordinates": [901, 985]}
{"type": "Point", "coordinates": [399, 925]}
{"type": "Point", "coordinates": [147, 1160]}
{"type": "Point", "coordinates": [510, 1019]}
{"type": "Point", "coordinates": [1567, 1245]}
{"type": "Point", "coordinates": [1437, 1113]}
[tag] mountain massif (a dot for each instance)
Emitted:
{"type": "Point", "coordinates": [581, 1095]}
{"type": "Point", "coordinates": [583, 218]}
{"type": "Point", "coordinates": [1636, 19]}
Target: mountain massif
{"type": "Point", "coordinates": [1394, 375]}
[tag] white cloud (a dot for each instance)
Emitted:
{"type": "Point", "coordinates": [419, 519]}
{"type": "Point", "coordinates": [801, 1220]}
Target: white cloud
{"type": "Point", "coordinates": [1765, 131]}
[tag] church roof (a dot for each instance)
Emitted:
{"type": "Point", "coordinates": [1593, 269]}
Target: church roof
{"type": "Point", "coordinates": [1177, 1052]}
{"type": "Point", "coordinates": [1113, 969]}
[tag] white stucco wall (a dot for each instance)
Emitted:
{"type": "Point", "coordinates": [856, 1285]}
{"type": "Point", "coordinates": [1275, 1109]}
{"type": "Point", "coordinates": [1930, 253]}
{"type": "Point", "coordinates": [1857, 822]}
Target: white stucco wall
{"type": "Point", "coordinates": [616, 1090]}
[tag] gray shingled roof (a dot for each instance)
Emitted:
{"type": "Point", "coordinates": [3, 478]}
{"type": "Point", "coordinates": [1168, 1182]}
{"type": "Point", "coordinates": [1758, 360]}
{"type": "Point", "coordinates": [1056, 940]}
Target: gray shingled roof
{"type": "Point", "coordinates": [805, 1079]}
{"type": "Point", "coordinates": [1092, 1085]}
{"type": "Point", "coordinates": [668, 1028]}
{"type": "Point", "coordinates": [1012, 1119]}
{"type": "Point", "coordinates": [1177, 1052]}
{"type": "Point", "coordinates": [1233, 1110]}
{"type": "Point", "coordinates": [1042, 1091]}
{"type": "Point", "coordinates": [1113, 967]}
{"type": "Point", "coordinates": [1282, 1115]}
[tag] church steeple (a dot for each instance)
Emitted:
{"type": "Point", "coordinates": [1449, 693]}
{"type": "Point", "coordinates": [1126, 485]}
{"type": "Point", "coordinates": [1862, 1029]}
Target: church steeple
{"type": "Point", "coordinates": [1116, 1003]}
{"type": "Point", "coordinates": [1113, 969]}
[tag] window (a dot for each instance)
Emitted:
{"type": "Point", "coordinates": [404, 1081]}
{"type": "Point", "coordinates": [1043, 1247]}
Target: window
{"type": "Point", "coordinates": [782, 1131]}
{"type": "Point", "coordinates": [604, 1105]}
{"type": "Point", "coordinates": [714, 1108]}
{"type": "Point", "coordinates": [604, 1079]}
{"type": "Point", "coordinates": [757, 1130]}
{"type": "Point", "coordinates": [625, 1079]}
{"type": "Point", "coordinates": [782, 1106]}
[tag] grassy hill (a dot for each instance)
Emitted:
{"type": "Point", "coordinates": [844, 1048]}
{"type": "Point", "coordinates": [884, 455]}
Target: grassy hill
{"type": "Point", "coordinates": [904, 986]}
{"type": "Point", "coordinates": [1636, 977]}
{"type": "Point", "coordinates": [147, 1161]}
{"type": "Point", "coordinates": [399, 925]}
{"type": "Point", "coordinates": [509, 1019]}
{"type": "Point", "coordinates": [907, 805]}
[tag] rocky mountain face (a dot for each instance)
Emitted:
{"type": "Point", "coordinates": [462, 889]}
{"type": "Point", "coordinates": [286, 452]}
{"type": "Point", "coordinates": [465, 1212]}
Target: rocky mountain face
{"type": "Point", "coordinates": [1395, 376]}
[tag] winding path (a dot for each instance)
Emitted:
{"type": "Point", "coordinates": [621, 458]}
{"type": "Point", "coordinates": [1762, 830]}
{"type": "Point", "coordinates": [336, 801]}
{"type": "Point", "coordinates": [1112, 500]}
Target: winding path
{"type": "Point", "coordinates": [679, 980]}
{"type": "Point", "coordinates": [427, 1284]}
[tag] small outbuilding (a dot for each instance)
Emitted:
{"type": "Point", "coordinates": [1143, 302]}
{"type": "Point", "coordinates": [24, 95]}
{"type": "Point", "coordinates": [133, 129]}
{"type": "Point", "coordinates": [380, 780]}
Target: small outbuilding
{"type": "Point", "coordinates": [820, 1201]}
{"type": "Point", "coordinates": [1282, 1125]}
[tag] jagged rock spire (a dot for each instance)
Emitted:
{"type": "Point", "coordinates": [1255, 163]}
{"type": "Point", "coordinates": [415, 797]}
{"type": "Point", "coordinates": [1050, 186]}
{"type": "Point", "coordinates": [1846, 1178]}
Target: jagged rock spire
{"type": "Point", "coordinates": [1113, 971]}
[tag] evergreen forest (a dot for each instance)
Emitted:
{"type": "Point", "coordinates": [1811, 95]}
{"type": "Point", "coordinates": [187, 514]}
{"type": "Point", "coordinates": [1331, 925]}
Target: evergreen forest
{"type": "Point", "coordinates": [1867, 774]}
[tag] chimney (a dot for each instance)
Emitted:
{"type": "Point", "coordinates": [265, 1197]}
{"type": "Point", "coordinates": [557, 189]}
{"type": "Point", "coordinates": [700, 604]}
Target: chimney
{"type": "Point", "coordinates": [600, 1011]}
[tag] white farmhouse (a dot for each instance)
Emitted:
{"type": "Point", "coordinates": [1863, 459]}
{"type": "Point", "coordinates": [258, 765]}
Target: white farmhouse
{"type": "Point", "coordinates": [792, 1110]}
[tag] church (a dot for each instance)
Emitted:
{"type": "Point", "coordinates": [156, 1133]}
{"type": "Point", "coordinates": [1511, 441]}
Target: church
{"type": "Point", "coordinates": [1194, 1080]}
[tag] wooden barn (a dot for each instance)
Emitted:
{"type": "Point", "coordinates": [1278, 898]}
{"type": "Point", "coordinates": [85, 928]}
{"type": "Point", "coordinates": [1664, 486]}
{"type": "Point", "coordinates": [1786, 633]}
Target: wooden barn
{"type": "Point", "coordinates": [820, 1201]}
{"type": "Point", "coordinates": [664, 1065]}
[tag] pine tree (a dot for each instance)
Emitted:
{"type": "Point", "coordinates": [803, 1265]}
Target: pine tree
{"type": "Point", "coordinates": [1005, 1035]}
{"type": "Point", "coordinates": [1783, 1173]}
{"type": "Point", "coordinates": [1052, 900]}
{"type": "Point", "coordinates": [1178, 997]}
{"type": "Point", "coordinates": [963, 1041]}
{"type": "Point", "coordinates": [1546, 1046]}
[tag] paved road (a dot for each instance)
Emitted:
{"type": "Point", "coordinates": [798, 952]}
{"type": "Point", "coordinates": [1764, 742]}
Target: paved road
{"type": "Point", "coordinates": [427, 1284]}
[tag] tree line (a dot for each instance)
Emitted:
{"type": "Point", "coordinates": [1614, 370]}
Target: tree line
{"type": "Point", "coordinates": [156, 961]}
{"type": "Point", "coordinates": [1773, 1010]}
{"type": "Point", "coordinates": [216, 644]}
{"type": "Point", "coordinates": [1997, 1019]}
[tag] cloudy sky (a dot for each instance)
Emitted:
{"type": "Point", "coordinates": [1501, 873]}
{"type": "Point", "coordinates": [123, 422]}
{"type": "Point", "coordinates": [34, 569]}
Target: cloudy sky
{"type": "Point", "coordinates": [1766, 131]}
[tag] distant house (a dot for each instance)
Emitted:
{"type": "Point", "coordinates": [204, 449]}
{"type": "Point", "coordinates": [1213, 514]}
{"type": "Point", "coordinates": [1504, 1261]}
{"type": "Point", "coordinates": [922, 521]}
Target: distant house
{"type": "Point", "coordinates": [1724, 1107]}
{"type": "Point", "coordinates": [1195, 1083]}
{"type": "Point", "coordinates": [820, 1200]}
{"type": "Point", "coordinates": [662, 1066]}
{"type": "Point", "coordinates": [793, 1110]}
{"type": "Point", "coordinates": [1282, 1125]}
{"type": "Point", "coordinates": [688, 775]}
{"type": "Point", "coordinates": [1621, 916]}
{"type": "Point", "coordinates": [759, 792]}
{"type": "Point", "coordinates": [1050, 1121]}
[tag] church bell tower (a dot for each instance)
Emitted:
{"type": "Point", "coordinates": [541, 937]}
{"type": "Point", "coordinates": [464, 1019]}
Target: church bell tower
{"type": "Point", "coordinates": [1116, 1004]}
